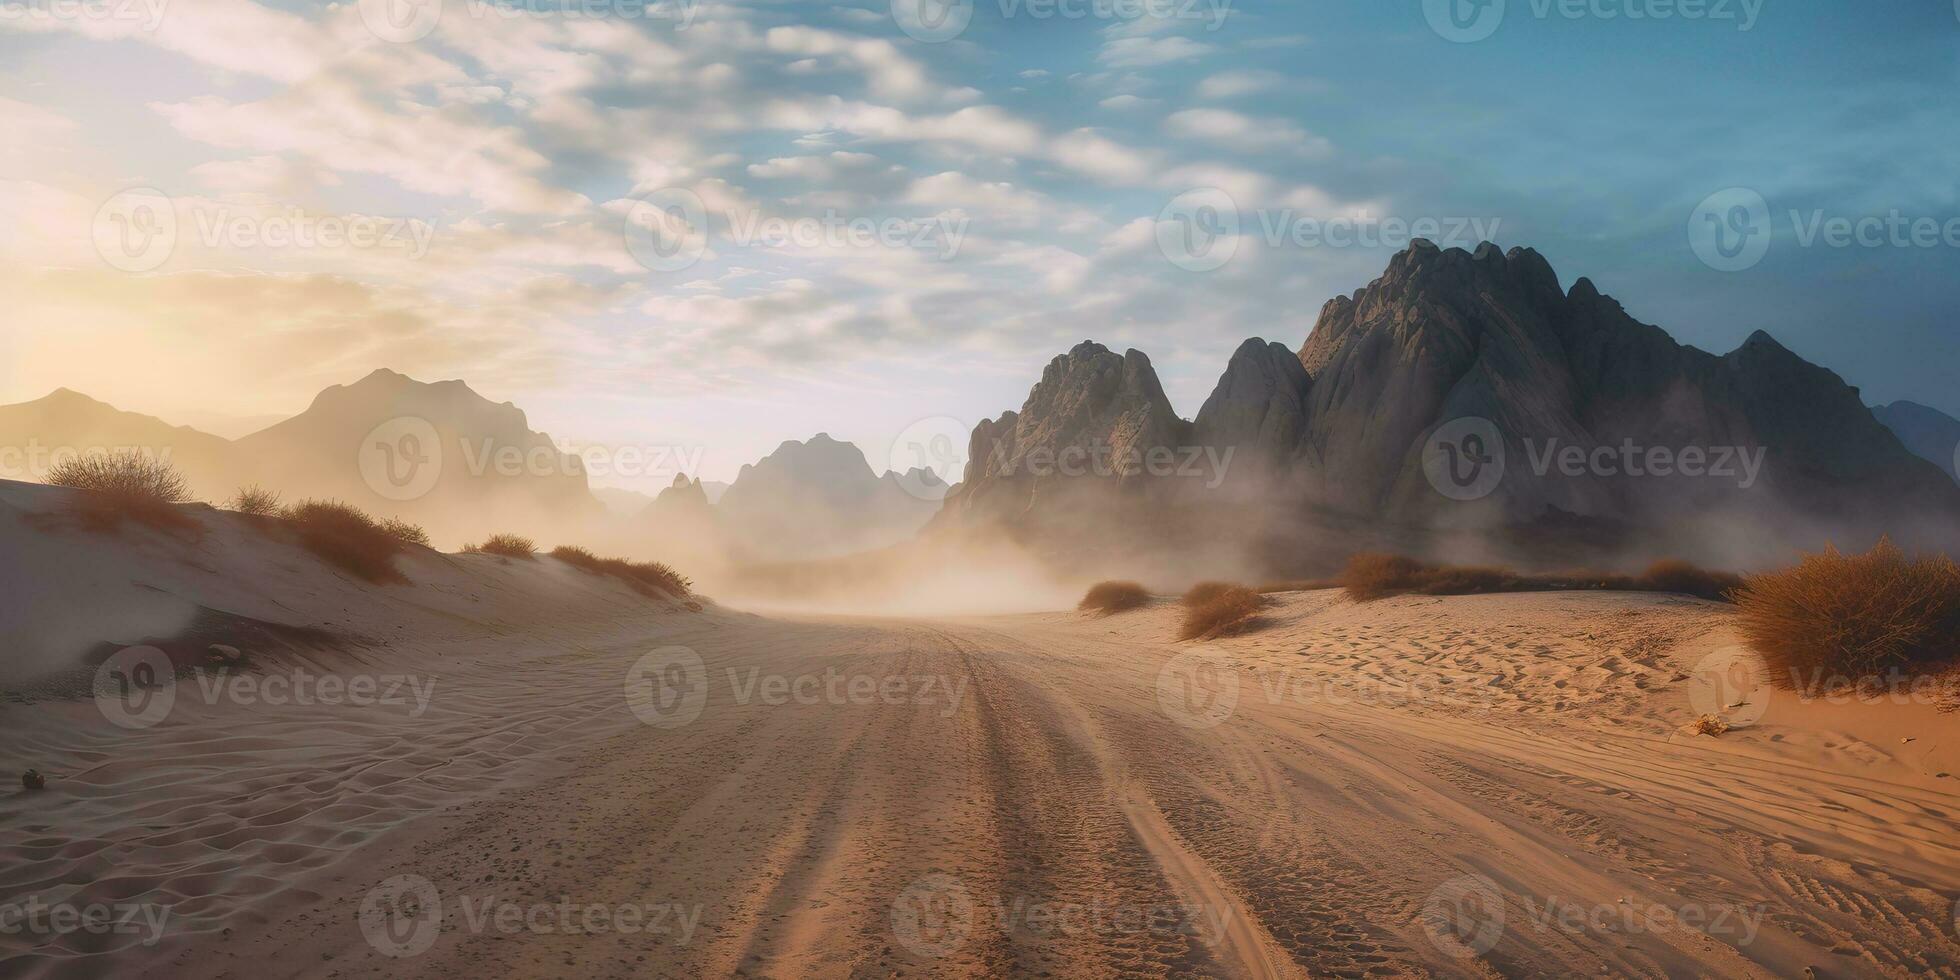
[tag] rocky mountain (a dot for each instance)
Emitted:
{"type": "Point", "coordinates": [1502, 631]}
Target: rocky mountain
{"type": "Point", "coordinates": [1930, 433]}
{"type": "Point", "coordinates": [436, 453]}
{"type": "Point", "coordinates": [1597, 414]}
{"type": "Point", "coordinates": [34, 435]}
{"type": "Point", "coordinates": [819, 499]}
{"type": "Point", "coordinates": [1093, 421]}
{"type": "Point", "coordinates": [1468, 393]}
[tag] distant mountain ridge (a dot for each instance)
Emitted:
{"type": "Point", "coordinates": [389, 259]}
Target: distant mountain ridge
{"type": "Point", "coordinates": [1930, 433]}
{"type": "Point", "coordinates": [1567, 411]}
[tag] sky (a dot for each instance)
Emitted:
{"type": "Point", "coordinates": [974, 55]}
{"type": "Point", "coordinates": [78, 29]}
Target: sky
{"type": "Point", "coordinates": [708, 227]}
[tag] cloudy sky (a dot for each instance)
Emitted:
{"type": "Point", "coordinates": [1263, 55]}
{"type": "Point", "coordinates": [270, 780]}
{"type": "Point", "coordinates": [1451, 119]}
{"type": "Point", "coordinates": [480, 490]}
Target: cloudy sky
{"type": "Point", "coordinates": [717, 225]}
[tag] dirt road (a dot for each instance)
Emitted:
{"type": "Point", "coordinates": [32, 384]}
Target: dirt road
{"type": "Point", "coordinates": [1060, 796]}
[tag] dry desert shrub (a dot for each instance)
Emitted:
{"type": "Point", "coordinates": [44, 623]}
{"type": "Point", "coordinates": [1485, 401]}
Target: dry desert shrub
{"type": "Point", "coordinates": [347, 538]}
{"type": "Point", "coordinates": [256, 501]}
{"type": "Point", "coordinates": [509, 546]}
{"type": "Point", "coordinates": [1230, 609]}
{"type": "Point", "coordinates": [1834, 616]}
{"type": "Point", "coordinates": [124, 485]}
{"type": "Point", "coordinates": [647, 577]}
{"type": "Point", "coordinates": [1109, 598]}
{"type": "Point", "coordinates": [405, 532]}
{"type": "Point", "coordinates": [1205, 592]}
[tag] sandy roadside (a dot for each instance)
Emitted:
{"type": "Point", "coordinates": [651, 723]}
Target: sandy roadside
{"type": "Point", "coordinates": [1479, 786]}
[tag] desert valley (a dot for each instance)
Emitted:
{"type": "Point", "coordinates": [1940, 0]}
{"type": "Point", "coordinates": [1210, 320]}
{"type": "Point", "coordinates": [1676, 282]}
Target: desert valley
{"type": "Point", "coordinates": [832, 723]}
{"type": "Point", "coordinates": [942, 488]}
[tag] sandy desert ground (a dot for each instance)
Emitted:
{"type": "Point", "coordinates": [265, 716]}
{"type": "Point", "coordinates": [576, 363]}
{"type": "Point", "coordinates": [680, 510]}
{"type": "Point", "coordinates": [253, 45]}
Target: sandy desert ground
{"type": "Point", "coordinates": [1469, 786]}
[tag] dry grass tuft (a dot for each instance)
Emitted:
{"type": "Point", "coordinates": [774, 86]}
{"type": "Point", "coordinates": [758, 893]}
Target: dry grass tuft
{"type": "Point", "coordinates": [1219, 612]}
{"type": "Point", "coordinates": [256, 501]}
{"type": "Point", "coordinates": [124, 486]}
{"type": "Point", "coordinates": [347, 538]}
{"type": "Point", "coordinates": [1710, 725]}
{"type": "Point", "coordinates": [509, 546]}
{"type": "Point", "coordinates": [1109, 598]}
{"type": "Point", "coordinates": [1376, 576]}
{"type": "Point", "coordinates": [649, 578]}
{"type": "Point", "coordinates": [405, 532]}
{"type": "Point", "coordinates": [1834, 616]}
{"type": "Point", "coordinates": [1205, 592]}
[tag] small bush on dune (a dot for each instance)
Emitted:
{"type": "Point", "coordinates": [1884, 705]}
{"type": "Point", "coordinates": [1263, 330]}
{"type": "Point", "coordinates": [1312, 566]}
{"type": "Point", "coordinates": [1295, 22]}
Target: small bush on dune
{"type": "Point", "coordinates": [1221, 611]}
{"type": "Point", "coordinates": [121, 486]}
{"type": "Point", "coordinates": [405, 532]}
{"type": "Point", "coordinates": [1372, 576]}
{"type": "Point", "coordinates": [1835, 616]}
{"type": "Point", "coordinates": [347, 538]}
{"type": "Point", "coordinates": [648, 577]}
{"type": "Point", "coordinates": [1114, 597]}
{"type": "Point", "coordinates": [1205, 592]}
{"type": "Point", "coordinates": [256, 501]}
{"type": "Point", "coordinates": [509, 546]}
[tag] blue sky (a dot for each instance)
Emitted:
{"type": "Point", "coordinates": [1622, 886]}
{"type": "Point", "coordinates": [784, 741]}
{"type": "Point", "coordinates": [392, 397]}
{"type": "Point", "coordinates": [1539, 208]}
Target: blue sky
{"type": "Point", "coordinates": [953, 211]}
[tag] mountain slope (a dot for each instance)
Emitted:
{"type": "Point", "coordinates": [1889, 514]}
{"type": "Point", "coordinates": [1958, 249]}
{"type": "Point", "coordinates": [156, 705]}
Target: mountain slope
{"type": "Point", "coordinates": [1930, 433]}
{"type": "Point", "coordinates": [34, 435]}
{"type": "Point", "coordinates": [817, 499]}
{"type": "Point", "coordinates": [439, 454]}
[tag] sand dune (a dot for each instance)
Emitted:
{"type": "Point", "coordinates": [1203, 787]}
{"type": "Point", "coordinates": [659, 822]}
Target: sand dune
{"type": "Point", "coordinates": [1351, 791]}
